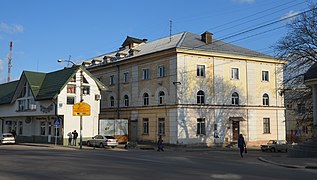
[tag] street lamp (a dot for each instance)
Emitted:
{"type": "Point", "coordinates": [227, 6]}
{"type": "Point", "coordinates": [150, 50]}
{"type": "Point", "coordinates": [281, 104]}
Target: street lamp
{"type": "Point", "coordinates": [81, 100]}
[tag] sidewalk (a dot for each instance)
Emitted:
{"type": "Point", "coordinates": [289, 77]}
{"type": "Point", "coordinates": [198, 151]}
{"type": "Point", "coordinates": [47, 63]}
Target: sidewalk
{"type": "Point", "coordinates": [279, 159]}
{"type": "Point", "coordinates": [291, 162]}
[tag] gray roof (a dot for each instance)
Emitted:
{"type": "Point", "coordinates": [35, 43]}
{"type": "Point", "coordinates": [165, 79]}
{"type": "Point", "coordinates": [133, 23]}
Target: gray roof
{"type": "Point", "coordinates": [186, 40]}
{"type": "Point", "coordinates": [311, 73]}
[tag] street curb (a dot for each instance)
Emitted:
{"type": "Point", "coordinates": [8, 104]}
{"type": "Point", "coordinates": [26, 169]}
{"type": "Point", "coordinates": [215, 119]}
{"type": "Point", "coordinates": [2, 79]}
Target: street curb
{"type": "Point", "coordinates": [280, 164]}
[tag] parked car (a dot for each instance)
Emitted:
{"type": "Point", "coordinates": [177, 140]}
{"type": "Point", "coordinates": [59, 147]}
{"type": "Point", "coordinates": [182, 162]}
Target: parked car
{"type": "Point", "coordinates": [275, 145]}
{"type": "Point", "coordinates": [102, 141]}
{"type": "Point", "coordinates": [7, 138]}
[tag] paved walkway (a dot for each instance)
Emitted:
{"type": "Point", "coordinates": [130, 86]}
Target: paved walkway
{"type": "Point", "coordinates": [279, 159]}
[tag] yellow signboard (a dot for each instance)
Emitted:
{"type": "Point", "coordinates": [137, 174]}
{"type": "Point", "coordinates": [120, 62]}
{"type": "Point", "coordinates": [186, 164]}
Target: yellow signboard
{"type": "Point", "coordinates": [81, 109]}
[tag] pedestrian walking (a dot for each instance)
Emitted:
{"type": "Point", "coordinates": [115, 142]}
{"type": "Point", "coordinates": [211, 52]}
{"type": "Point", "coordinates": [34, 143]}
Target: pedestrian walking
{"type": "Point", "coordinates": [70, 137]}
{"type": "Point", "coordinates": [13, 133]}
{"type": "Point", "coordinates": [241, 144]}
{"type": "Point", "coordinates": [160, 146]}
{"type": "Point", "coordinates": [75, 135]}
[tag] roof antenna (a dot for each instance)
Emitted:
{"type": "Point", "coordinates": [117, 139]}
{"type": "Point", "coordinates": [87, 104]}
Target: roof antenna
{"type": "Point", "coordinates": [170, 30]}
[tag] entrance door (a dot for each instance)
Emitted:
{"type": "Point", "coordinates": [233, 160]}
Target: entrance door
{"type": "Point", "coordinates": [235, 130]}
{"type": "Point", "coordinates": [133, 131]}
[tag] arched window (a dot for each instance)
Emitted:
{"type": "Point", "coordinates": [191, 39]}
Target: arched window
{"type": "Point", "coordinates": [266, 100]}
{"type": "Point", "coordinates": [235, 99]}
{"type": "Point", "coordinates": [200, 97]}
{"type": "Point", "coordinates": [111, 101]}
{"type": "Point", "coordinates": [161, 97]}
{"type": "Point", "coordinates": [126, 100]}
{"type": "Point", "coordinates": [145, 99]}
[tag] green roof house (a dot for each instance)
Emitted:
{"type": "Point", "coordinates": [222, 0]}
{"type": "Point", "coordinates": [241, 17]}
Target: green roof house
{"type": "Point", "coordinates": [39, 106]}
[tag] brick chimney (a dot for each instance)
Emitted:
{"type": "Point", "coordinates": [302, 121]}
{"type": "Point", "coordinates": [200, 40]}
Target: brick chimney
{"type": "Point", "coordinates": [206, 37]}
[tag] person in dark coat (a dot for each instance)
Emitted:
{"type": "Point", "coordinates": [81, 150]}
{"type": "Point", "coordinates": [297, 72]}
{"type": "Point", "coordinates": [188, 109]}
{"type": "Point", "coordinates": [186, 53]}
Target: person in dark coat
{"type": "Point", "coordinates": [241, 144]}
{"type": "Point", "coordinates": [75, 135]}
{"type": "Point", "coordinates": [160, 146]}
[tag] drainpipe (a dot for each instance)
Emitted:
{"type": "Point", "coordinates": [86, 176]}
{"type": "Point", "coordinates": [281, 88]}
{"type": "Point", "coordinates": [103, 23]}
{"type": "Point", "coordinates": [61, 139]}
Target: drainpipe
{"type": "Point", "coordinates": [118, 103]}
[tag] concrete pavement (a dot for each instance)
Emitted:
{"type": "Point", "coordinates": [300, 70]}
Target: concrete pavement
{"type": "Point", "coordinates": [279, 159]}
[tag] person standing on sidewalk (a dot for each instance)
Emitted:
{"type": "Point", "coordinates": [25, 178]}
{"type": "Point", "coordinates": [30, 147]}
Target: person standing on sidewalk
{"type": "Point", "coordinates": [160, 146]}
{"type": "Point", "coordinates": [75, 135]}
{"type": "Point", "coordinates": [70, 137]}
{"type": "Point", "coordinates": [241, 144]}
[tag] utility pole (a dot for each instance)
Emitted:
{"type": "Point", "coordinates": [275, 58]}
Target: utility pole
{"type": "Point", "coordinates": [9, 61]}
{"type": "Point", "coordinates": [81, 117]}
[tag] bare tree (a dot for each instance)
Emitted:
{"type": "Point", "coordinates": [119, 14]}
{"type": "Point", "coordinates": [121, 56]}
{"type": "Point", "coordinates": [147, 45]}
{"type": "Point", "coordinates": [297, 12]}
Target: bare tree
{"type": "Point", "coordinates": [299, 48]}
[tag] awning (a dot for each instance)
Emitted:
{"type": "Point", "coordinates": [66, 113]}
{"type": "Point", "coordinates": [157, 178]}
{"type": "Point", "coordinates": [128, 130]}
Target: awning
{"type": "Point", "coordinates": [236, 119]}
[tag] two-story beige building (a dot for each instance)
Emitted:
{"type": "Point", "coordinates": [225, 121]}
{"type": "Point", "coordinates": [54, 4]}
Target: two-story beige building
{"type": "Point", "coordinates": [192, 89]}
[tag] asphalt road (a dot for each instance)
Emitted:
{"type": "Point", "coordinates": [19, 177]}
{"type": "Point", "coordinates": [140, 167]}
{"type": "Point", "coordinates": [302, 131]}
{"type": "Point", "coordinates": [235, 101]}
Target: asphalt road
{"type": "Point", "coordinates": [27, 162]}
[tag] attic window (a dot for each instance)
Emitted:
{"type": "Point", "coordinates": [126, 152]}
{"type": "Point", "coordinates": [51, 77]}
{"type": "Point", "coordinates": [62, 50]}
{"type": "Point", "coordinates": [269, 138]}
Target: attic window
{"type": "Point", "coordinates": [85, 80]}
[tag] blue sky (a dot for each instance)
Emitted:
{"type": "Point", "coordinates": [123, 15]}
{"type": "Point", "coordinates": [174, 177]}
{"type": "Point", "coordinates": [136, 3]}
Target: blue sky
{"type": "Point", "coordinates": [44, 31]}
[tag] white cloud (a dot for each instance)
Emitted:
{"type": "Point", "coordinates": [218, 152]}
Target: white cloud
{"type": "Point", "coordinates": [291, 15]}
{"type": "Point", "coordinates": [245, 1]}
{"type": "Point", "coordinates": [11, 28]}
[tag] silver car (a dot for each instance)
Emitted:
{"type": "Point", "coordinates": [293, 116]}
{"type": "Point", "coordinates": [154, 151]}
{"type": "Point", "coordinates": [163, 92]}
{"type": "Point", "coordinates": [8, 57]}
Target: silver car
{"type": "Point", "coordinates": [275, 145]}
{"type": "Point", "coordinates": [7, 138]}
{"type": "Point", "coordinates": [102, 141]}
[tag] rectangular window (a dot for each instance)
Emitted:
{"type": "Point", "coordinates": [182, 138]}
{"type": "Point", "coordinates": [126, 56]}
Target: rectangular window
{"type": "Point", "coordinates": [266, 125]}
{"type": "Point", "coordinates": [112, 82]}
{"type": "Point", "coordinates": [201, 127]}
{"type": "Point", "coordinates": [301, 109]}
{"type": "Point", "coordinates": [22, 105]}
{"type": "Point", "coordinates": [71, 88]}
{"type": "Point", "coordinates": [70, 100]}
{"type": "Point", "coordinates": [86, 90]}
{"type": "Point", "coordinates": [161, 126]}
{"type": "Point", "coordinates": [125, 77]}
{"type": "Point", "coordinates": [145, 126]}
{"type": "Point", "coordinates": [265, 75]}
{"type": "Point", "coordinates": [43, 128]}
{"type": "Point", "coordinates": [145, 74]}
{"type": "Point", "coordinates": [234, 73]}
{"type": "Point", "coordinates": [201, 70]}
{"type": "Point", "coordinates": [161, 71]}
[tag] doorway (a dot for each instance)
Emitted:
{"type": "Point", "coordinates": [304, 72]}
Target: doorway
{"type": "Point", "coordinates": [235, 130]}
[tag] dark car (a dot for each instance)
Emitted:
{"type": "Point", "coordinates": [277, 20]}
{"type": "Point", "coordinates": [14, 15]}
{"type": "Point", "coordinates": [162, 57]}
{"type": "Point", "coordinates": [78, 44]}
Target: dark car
{"type": "Point", "coordinates": [275, 145]}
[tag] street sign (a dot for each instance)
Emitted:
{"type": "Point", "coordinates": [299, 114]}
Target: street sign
{"type": "Point", "coordinates": [57, 122]}
{"type": "Point", "coordinates": [81, 109]}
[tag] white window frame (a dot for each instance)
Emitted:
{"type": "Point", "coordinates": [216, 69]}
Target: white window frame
{"type": "Point", "coordinates": [265, 100]}
{"type": "Point", "coordinates": [161, 71]}
{"type": "Point", "coordinates": [112, 80]}
{"type": "Point", "coordinates": [265, 76]}
{"type": "Point", "coordinates": [126, 77]}
{"type": "Point", "coordinates": [161, 97]}
{"type": "Point", "coordinates": [266, 126]}
{"type": "Point", "coordinates": [201, 97]}
{"type": "Point", "coordinates": [146, 99]}
{"type": "Point", "coordinates": [235, 99]}
{"type": "Point", "coordinates": [235, 74]}
{"type": "Point", "coordinates": [201, 70]}
{"type": "Point", "coordinates": [161, 126]}
{"type": "Point", "coordinates": [201, 126]}
{"type": "Point", "coordinates": [145, 74]}
{"type": "Point", "coordinates": [126, 100]}
{"type": "Point", "coordinates": [145, 125]}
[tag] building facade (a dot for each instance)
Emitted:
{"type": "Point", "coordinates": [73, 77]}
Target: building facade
{"type": "Point", "coordinates": [38, 106]}
{"type": "Point", "coordinates": [192, 89]}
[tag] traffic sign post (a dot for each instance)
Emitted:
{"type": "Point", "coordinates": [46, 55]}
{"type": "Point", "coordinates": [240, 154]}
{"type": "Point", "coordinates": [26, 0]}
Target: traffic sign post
{"type": "Point", "coordinates": [81, 109]}
{"type": "Point", "coordinates": [57, 122]}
